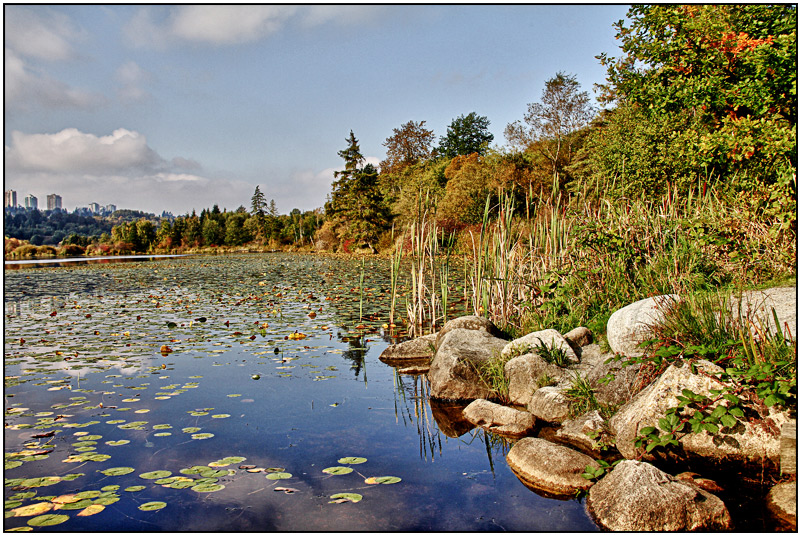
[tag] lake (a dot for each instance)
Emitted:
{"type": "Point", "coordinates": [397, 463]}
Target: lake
{"type": "Point", "coordinates": [236, 393]}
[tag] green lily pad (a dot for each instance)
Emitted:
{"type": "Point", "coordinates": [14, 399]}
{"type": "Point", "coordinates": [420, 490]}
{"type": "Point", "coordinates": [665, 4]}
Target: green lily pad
{"type": "Point", "coordinates": [162, 426]}
{"type": "Point", "coordinates": [135, 488]}
{"type": "Point", "coordinates": [202, 436]}
{"type": "Point", "coordinates": [352, 460]}
{"type": "Point", "coordinates": [279, 475]}
{"type": "Point", "coordinates": [382, 480]}
{"type": "Point", "coordinates": [221, 416]}
{"type": "Point", "coordinates": [152, 506]}
{"type": "Point", "coordinates": [208, 487]}
{"type": "Point", "coordinates": [338, 470]}
{"type": "Point", "coordinates": [227, 461]}
{"type": "Point", "coordinates": [47, 520]}
{"type": "Point", "coordinates": [156, 474]}
{"type": "Point", "coordinates": [118, 442]}
{"type": "Point", "coordinates": [109, 488]}
{"type": "Point", "coordinates": [190, 429]}
{"type": "Point", "coordinates": [343, 497]}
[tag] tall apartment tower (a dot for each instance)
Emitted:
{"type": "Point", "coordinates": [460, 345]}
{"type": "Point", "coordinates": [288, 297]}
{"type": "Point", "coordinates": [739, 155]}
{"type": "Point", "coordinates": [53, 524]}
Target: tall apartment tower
{"type": "Point", "coordinates": [10, 199]}
{"type": "Point", "coordinates": [54, 202]}
{"type": "Point", "coordinates": [31, 202]}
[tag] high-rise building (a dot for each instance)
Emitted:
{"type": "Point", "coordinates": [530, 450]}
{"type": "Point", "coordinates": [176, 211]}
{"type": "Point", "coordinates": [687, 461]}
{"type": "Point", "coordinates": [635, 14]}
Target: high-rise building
{"type": "Point", "coordinates": [54, 202]}
{"type": "Point", "coordinates": [111, 208]}
{"type": "Point", "coordinates": [10, 199]}
{"type": "Point", "coordinates": [31, 202]}
{"type": "Point", "coordinates": [94, 207]}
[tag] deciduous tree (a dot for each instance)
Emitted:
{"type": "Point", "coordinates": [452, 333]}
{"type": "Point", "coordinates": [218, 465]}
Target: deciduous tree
{"type": "Point", "coordinates": [465, 135]}
{"type": "Point", "coordinates": [410, 144]}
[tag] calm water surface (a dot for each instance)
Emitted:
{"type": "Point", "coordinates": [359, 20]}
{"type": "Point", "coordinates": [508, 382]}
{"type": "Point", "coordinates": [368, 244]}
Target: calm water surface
{"type": "Point", "coordinates": [83, 354]}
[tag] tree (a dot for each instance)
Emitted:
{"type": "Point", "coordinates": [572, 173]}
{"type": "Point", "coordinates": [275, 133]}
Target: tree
{"type": "Point", "coordinates": [724, 76]}
{"type": "Point", "coordinates": [550, 124]}
{"type": "Point", "coordinates": [355, 204]}
{"type": "Point", "coordinates": [258, 204]}
{"type": "Point", "coordinates": [465, 135]}
{"type": "Point", "coordinates": [410, 144]}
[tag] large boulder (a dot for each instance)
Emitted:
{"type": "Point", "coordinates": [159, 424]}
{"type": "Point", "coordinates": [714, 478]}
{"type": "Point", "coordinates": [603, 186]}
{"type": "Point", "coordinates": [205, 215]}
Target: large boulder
{"type": "Point", "coordinates": [579, 337]}
{"type": "Point", "coordinates": [576, 433]}
{"type": "Point", "coordinates": [472, 323]}
{"type": "Point", "coordinates": [551, 469]}
{"type": "Point", "coordinates": [754, 444]}
{"type": "Point", "coordinates": [461, 353]}
{"type": "Point", "coordinates": [499, 418]}
{"type": "Point", "coordinates": [449, 418]}
{"type": "Point", "coordinates": [594, 368]}
{"type": "Point", "coordinates": [782, 504]}
{"type": "Point", "coordinates": [531, 342]}
{"type": "Point", "coordinates": [527, 373]}
{"type": "Point", "coordinates": [410, 352]}
{"type": "Point", "coordinates": [550, 404]}
{"type": "Point", "coordinates": [631, 325]}
{"type": "Point", "coordinates": [759, 304]}
{"type": "Point", "coordinates": [637, 496]}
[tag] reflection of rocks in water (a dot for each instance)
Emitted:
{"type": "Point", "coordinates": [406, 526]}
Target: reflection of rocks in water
{"type": "Point", "coordinates": [450, 418]}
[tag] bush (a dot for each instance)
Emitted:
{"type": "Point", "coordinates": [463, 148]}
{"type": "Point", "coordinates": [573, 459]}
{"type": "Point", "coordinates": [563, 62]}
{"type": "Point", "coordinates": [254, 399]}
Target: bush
{"type": "Point", "coordinates": [71, 250]}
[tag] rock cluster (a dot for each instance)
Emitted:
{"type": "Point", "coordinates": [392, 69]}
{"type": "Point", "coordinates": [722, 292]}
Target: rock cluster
{"type": "Point", "coordinates": [541, 369]}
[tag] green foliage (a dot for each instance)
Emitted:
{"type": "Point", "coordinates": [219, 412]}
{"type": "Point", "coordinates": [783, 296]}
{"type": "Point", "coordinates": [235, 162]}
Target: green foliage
{"type": "Point", "coordinates": [465, 135]}
{"type": "Point", "coordinates": [593, 473]}
{"type": "Point", "coordinates": [552, 354]}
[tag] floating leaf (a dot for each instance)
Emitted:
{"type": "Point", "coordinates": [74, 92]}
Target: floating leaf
{"type": "Point", "coordinates": [285, 490]}
{"type": "Point", "coordinates": [135, 488]}
{"type": "Point", "coordinates": [352, 460]}
{"type": "Point", "coordinates": [32, 510]}
{"type": "Point", "coordinates": [227, 461]}
{"type": "Point", "coordinates": [383, 480]}
{"type": "Point", "coordinates": [338, 470]}
{"type": "Point", "coordinates": [202, 436]}
{"type": "Point", "coordinates": [191, 429]}
{"type": "Point", "coordinates": [279, 475]}
{"type": "Point", "coordinates": [343, 497]}
{"type": "Point", "coordinates": [221, 416]}
{"type": "Point", "coordinates": [92, 510]}
{"type": "Point", "coordinates": [118, 442]}
{"type": "Point", "coordinates": [152, 506]}
{"type": "Point", "coordinates": [109, 488]}
{"type": "Point", "coordinates": [157, 474]}
{"type": "Point", "coordinates": [47, 520]}
{"type": "Point", "coordinates": [208, 487]}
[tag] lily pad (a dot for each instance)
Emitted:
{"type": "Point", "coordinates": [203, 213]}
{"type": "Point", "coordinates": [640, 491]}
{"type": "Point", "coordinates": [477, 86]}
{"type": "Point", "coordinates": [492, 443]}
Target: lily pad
{"type": "Point", "coordinates": [32, 510]}
{"type": "Point", "coordinates": [344, 497]}
{"type": "Point", "coordinates": [156, 474]}
{"type": "Point", "coordinates": [135, 488]}
{"type": "Point", "coordinates": [208, 487]}
{"type": "Point", "coordinates": [202, 436]}
{"type": "Point", "coordinates": [352, 460]}
{"type": "Point", "coordinates": [279, 475]}
{"type": "Point", "coordinates": [338, 470]}
{"type": "Point", "coordinates": [382, 480]}
{"type": "Point", "coordinates": [92, 510]}
{"type": "Point", "coordinates": [152, 506]}
{"type": "Point", "coordinates": [118, 471]}
{"type": "Point", "coordinates": [47, 520]}
{"type": "Point", "coordinates": [118, 442]}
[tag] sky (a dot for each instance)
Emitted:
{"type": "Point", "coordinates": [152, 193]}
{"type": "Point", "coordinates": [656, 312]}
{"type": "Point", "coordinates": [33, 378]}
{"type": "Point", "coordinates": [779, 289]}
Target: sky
{"type": "Point", "coordinates": [179, 107]}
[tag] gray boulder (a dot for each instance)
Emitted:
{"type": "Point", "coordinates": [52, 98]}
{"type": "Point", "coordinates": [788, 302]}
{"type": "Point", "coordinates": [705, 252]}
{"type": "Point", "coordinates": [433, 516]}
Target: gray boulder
{"type": "Point", "coordinates": [532, 341]}
{"type": "Point", "coordinates": [461, 353]}
{"type": "Point", "coordinates": [579, 337]}
{"type": "Point", "coordinates": [746, 444]}
{"type": "Point", "coordinates": [499, 418]}
{"type": "Point", "coordinates": [625, 382]}
{"type": "Point", "coordinates": [548, 468]}
{"type": "Point", "coordinates": [549, 404]}
{"type": "Point", "coordinates": [782, 504]}
{"type": "Point", "coordinates": [631, 325]}
{"type": "Point", "coordinates": [758, 304]}
{"type": "Point", "coordinates": [526, 374]}
{"type": "Point", "coordinates": [410, 352]}
{"type": "Point", "coordinates": [637, 496]}
{"type": "Point", "coordinates": [472, 323]}
{"type": "Point", "coordinates": [575, 433]}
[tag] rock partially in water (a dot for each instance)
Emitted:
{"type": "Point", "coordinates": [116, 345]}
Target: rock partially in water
{"type": "Point", "coordinates": [417, 351]}
{"type": "Point", "coordinates": [549, 404]}
{"type": "Point", "coordinates": [450, 418]}
{"type": "Point", "coordinates": [631, 325]}
{"type": "Point", "coordinates": [499, 418]}
{"type": "Point", "coordinates": [782, 504]}
{"type": "Point", "coordinates": [753, 444]}
{"type": "Point", "coordinates": [472, 323]}
{"type": "Point", "coordinates": [461, 353]}
{"type": "Point", "coordinates": [414, 370]}
{"type": "Point", "coordinates": [637, 496]}
{"type": "Point", "coordinates": [575, 433]}
{"type": "Point", "coordinates": [548, 468]}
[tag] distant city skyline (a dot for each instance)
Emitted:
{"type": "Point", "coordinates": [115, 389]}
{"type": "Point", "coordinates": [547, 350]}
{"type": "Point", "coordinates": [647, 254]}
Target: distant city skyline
{"type": "Point", "coordinates": [53, 200]}
{"type": "Point", "coordinates": [180, 107]}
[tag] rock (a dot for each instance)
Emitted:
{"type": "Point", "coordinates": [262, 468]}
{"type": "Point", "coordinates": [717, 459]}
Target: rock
{"type": "Point", "coordinates": [631, 325]}
{"type": "Point", "coordinates": [549, 404]}
{"type": "Point", "coordinates": [414, 370]}
{"type": "Point", "coordinates": [782, 504]}
{"type": "Point", "coordinates": [637, 496]}
{"type": "Point", "coordinates": [473, 323]}
{"type": "Point", "coordinates": [575, 432]}
{"type": "Point", "coordinates": [531, 341]}
{"type": "Point", "coordinates": [761, 302]}
{"type": "Point", "coordinates": [789, 447]}
{"type": "Point", "coordinates": [412, 351]}
{"type": "Point", "coordinates": [450, 418]}
{"type": "Point", "coordinates": [702, 482]}
{"type": "Point", "coordinates": [621, 388]}
{"type": "Point", "coordinates": [747, 444]}
{"type": "Point", "coordinates": [525, 375]}
{"type": "Point", "coordinates": [549, 468]}
{"type": "Point", "coordinates": [579, 337]}
{"type": "Point", "coordinates": [459, 356]}
{"type": "Point", "coordinates": [498, 418]}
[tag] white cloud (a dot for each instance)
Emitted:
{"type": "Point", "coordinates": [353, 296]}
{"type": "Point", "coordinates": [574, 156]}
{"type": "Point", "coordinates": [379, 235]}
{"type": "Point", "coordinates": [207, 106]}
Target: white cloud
{"type": "Point", "coordinates": [27, 89]}
{"type": "Point", "coordinates": [41, 34]}
{"type": "Point", "coordinates": [233, 24]}
{"type": "Point", "coordinates": [131, 78]}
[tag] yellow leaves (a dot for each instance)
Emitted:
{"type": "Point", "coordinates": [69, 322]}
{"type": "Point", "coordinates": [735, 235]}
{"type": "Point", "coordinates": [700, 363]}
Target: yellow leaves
{"type": "Point", "coordinates": [66, 498]}
{"type": "Point", "coordinates": [165, 350]}
{"type": "Point", "coordinates": [92, 510]}
{"type": "Point", "coordinates": [296, 336]}
{"type": "Point", "coordinates": [33, 509]}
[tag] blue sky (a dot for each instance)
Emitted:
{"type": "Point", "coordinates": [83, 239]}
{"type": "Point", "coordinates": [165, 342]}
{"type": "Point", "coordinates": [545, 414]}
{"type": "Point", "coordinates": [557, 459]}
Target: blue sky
{"type": "Point", "coordinates": [181, 107]}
